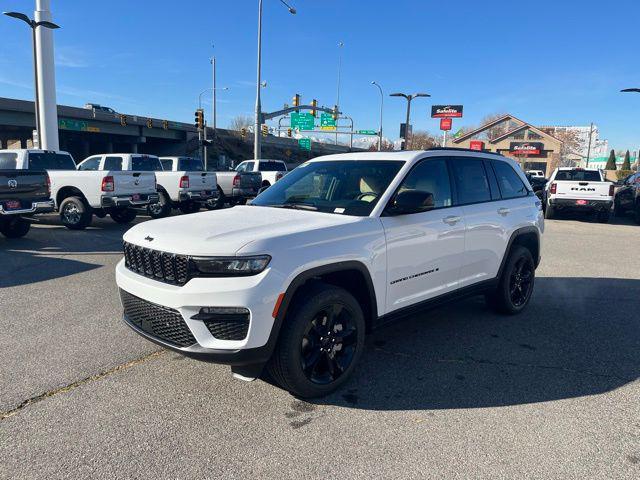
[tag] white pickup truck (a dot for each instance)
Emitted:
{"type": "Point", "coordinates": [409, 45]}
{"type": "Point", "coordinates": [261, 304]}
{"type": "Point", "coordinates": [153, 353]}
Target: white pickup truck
{"type": "Point", "coordinates": [181, 189]}
{"type": "Point", "coordinates": [78, 195]}
{"type": "Point", "coordinates": [236, 187]}
{"type": "Point", "coordinates": [578, 189]}
{"type": "Point", "coordinates": [271, 170]}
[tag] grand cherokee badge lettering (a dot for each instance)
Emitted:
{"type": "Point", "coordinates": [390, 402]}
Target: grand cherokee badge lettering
{"type": "Point", "coordinates": [148, 238]}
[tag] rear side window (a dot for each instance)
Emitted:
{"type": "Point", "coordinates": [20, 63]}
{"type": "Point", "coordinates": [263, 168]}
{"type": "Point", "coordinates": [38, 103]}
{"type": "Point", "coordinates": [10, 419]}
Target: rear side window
{"type": "Point", "coordinates": [430, 176]}
{"type": "Point", "coordinates": [578, 175]}
{"type": "Point", "coordinates": [146, 164]}
{"type": "Point", "coordinates": [50, 161]}
{"type": "Point", "coordinates": [113, 163]}
{"type": "Point", "coordinates": [272, 167]}
{"type": "Point", "coordinates": [190, 164]}
{"type": "Point", "coordinates": [508, 181]}
{"type": "Point", "coordinates": [471, 180]}
{"type": "Point", "coordinates": [8, 161]}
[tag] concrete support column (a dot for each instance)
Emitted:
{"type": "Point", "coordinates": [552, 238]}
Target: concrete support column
{"type": "Point", "coordinates": [109, 147]}
{"type": "Point", "coordinates": [47, 110]}
{"type": "Point", "coordinates": [134, 148]}
{"type": "Point", "coordinates": [85, 149]}
{"type": "Point", "coordinates": [23, 142]}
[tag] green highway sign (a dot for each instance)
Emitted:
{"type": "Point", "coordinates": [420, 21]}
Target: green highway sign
{"type": "Point", "coordinates": [302, 121]}
{"type": "Point", "coordinates": [366, 132]}
{"type": "Point", "coordinates": [327, 122]}
{"type": "Point", "coordinates": [304, 144]}
{"type": "Point", "coordinates": [78, 125]}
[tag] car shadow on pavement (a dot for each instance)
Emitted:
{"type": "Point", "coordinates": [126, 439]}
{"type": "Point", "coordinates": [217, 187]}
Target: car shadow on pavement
{"type": "Point", "coordinates": [578, 337]}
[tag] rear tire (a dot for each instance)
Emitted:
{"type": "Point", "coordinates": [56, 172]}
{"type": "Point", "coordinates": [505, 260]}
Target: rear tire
{"type": "Point", "coordinates": [549, 212]}
{"type": "Point", "coordinates": [219, 203]}
{"type": "Point", "coordinates": [320, 343]}
{"type": "Point", "coordinates": [15, 227]}
{"type": "Point", "coordinates": [123, 215]}
{"type": "Point", "coordinates": [603, 217]}
{"type": "Point", "coordinates": [75, 214]}
{"type": "Point", "coordinates": [636, 213]}
{"type": "Point", "coordinates": [516, 283]}
{"type": "Point", "coordinates": [160, 209]}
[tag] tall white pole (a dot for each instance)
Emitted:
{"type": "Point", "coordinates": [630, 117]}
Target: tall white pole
{"type": "Point", "coordinates": [213, 63]}
{"type": "Point", "coordinates": [256, 126]}
{"type": "Point", "coordinates": [47, 108]}
{"type": "Point", "coordinates": [340, 45]}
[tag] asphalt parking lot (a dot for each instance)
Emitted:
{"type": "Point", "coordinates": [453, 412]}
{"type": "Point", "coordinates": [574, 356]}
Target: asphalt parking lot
{"type": "Point", "coordinates": [457, 392]}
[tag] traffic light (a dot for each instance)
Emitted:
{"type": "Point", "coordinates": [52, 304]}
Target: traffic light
{"type": "Point", "coordinates": [199, 119]}
{"type": "Point", "coordinates": [165, 124]}
{"type": "Point", "coordinates": [289, 132]}
{"type": "Point", "coordinates": [314, 104]}
{"type": "Point", "coordinates": [296, 100]}
{"type": "Point", "coordinates": [265, 130]}
{"type": "Point", "coordinates": [335, 112]}
{"type": "Point", "coordinates": [243, 132]}
{"type": "Point", "coordinates": [149, 123]}
{"type": "Point", "coordinates": [123, 120]}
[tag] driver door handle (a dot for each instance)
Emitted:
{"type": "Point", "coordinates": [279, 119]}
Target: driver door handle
{"type": "Point", "coordinates": [504, 211]}
{"type": "Point", "coordinates": [451, 219]}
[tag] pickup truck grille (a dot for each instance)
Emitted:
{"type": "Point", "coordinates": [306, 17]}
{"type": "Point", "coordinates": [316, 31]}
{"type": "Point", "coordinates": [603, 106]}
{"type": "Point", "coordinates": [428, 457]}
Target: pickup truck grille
{"type": "Point", "coordinates": [162, 266]}
{"type": "Point", "coordinates": [160, 322]}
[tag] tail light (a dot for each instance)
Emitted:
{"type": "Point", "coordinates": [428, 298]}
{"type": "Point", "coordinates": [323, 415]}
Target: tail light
{"type": "Point", "coordinates": [279, 175]}
{"type": "Point", "coordinates": [184, 181]}
{"type": "Point", "coordinates": [554, 188]}
{"type": "Point", "coordinates": [611, 190]}
{"type": "Point", "coordinates": [46, 175]}
{"type": "Point", "coordinates": [236, 181]}
{"type": "Point", "coordinates": [108, 185]}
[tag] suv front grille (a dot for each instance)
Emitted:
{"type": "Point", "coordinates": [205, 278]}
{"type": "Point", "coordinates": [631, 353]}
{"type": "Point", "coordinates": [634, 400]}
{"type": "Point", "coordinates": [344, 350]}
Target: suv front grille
{"type": "Point", "coordinates": [163, 323]}
{"type": "Point", "coordinates": [162, 266]}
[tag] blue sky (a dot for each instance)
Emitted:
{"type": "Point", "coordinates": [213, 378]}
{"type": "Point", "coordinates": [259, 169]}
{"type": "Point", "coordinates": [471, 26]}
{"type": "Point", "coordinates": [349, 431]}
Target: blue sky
{"type": "Point", "coordinates": [547, 62]}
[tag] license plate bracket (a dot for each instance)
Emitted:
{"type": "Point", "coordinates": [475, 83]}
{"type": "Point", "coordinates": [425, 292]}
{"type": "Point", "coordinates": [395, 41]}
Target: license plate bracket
{"type": "Point", "coordinates": [581, 202]}
{"type": "Point", "coordinates": [135, 197]}
{"type": "Point", "coordinates": [12, 205]}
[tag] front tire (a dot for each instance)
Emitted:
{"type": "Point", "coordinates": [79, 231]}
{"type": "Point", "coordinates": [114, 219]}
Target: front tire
{"type": "Point", "coordinates": [123, 215]}
{"type": "Point", "coordinates": [160, 209]}
{"type": "Point", "coordinates": [549, 212]}
{"type": "Point", "coordinates": [15, 227]}
{"type": "Point", "coordinates": [75, 214]}
{"type": "Point", "coordinates": [516, 283]}
{"type": "Point", "coordinates": [320, 343]}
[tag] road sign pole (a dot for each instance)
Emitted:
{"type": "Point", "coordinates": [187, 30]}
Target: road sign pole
{"type": "Point", "coordinates": [258, 119]}
{"type": "Point", "coordinates": [444, 139]}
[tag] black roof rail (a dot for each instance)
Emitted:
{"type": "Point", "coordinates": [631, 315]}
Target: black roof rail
{"type": "Point", "coordinates": [460, 149]}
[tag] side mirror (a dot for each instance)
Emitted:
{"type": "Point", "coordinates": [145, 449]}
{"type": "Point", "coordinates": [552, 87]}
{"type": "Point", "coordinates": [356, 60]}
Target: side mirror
{"type": "Point", "coordinates": [262, 189]}
{"type": "Point", "coordinates": [412, 201]}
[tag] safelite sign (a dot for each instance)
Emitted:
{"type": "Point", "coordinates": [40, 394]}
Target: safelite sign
{"type": "Point", "coordinates": [526, 148]}
{"type": "Point", "coordinates": [446, 111]}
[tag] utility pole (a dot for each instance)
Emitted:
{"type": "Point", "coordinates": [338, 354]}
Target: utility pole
{"type": "Point", "coordinates": [48, 108]}
{"type": "Point", "coordinates": [408, 98]}
{"type": "Point", "coordinates": [340, 45]}
{"type": "Point", "coordinates": [589, 146]}
{"type": "Point", "coordinates": [213, 106]}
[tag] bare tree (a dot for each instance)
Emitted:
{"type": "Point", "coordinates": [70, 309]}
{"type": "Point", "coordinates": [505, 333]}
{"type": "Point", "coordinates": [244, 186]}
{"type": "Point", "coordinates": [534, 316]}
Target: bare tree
{"type": "Point", "coordinates": [493, 132]}
{"type": "Point", "coordinates": [423, 141]}
{"type": "Point", "coordinates": [240, 122]}
{"type": "Point", "coordinates": [387, 146]}
{"type": "Point", "coordinates": [570, 144]}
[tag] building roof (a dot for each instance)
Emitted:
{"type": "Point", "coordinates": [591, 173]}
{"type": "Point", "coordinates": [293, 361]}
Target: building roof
{"type": "Point", "coordinates": [497, 121]}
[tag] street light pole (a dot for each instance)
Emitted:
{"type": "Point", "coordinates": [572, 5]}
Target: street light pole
{"type": "Point", "coordinates": [340, 45]}
{"type": "Point", "coordinates": [213, 103]}
{"type": "Point", "coordinates": [34, 25]}
{"type": "Point", "coordinates": [408, 98]}
{"type": "Point", "coordinates": [257, 147]}
{"type": "Point", "coordinates": [381, 107]}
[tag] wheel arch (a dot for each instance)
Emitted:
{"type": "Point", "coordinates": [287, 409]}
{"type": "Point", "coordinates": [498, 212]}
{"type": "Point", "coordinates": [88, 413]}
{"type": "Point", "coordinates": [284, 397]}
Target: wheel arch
{"type": "Point", "coordinates": [528, 237]}
{"type": "Point", "coordinates": [68, 191]}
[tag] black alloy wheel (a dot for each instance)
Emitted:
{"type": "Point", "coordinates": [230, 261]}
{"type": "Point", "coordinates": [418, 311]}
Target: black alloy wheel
{"type": "Point", "coordinates": [328, 344]}
{"type": "Point", "coordinates": [521, 281]}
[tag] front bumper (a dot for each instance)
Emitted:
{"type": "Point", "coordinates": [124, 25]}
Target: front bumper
{"type": "Point", "coordinates": [257, 293]}
{"type": "Point", "coordinates": [572, 204]}
{"type": "Point", "coordinates": [108, 201]}
{"type": "Point", "coordinates": [45, 206]}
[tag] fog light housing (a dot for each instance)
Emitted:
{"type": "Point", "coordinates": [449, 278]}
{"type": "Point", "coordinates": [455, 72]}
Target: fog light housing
{"type": "Point", "coordinates": [225, 323]}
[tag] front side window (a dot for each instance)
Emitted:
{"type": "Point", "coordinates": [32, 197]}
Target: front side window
{"type": "Point", "coordinates": [113, 163]}
{"type": "Point", "coordinates": [471, 180]}
{"type": "Point", "coordinates": [8, 161]}
{"type": "Point", "coordinates": [347, 187]}
{"type": "Point", "coordinates": [51, 161]}
{"type": "Point", "coordinates": [146, 164]}
{"type": "Point", "coordinates": [242, 167]}
{"type": "Point", "coordinates": [92, 163]}
{"type": "Point", "coordinates": [509, 183]}
{"type": "Point", "coordinates": [430, 176]}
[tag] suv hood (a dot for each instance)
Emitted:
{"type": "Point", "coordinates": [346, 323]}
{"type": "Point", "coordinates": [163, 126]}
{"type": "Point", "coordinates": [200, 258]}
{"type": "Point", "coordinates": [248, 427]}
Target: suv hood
{"type": "Point", "coordinates": [224, 232]}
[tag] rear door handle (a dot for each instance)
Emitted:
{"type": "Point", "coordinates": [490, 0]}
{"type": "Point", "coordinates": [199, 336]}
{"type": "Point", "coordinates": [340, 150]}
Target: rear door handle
{"type": "Point", "coordinates": [451, 219]}
{"type": "Point", "coordinates": [504, 211]}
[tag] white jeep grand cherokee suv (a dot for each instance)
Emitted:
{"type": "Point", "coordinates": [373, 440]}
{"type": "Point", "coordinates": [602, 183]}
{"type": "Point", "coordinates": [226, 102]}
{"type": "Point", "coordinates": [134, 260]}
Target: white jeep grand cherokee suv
{"type": "Point", "coordinates": [339, 246]}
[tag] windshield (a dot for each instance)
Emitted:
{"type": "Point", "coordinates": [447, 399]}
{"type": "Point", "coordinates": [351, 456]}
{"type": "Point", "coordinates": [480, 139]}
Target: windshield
{"type": "Point", "coordinates": [349, 187]}
{"type": "Point", "coordinates": [146, 164]}
{"type": "Point", "coordinates": [50, 161]}
{"type": "Point", "coordinates": [190, 164]}
{"type": "Point", "coordinates": [578, 175]}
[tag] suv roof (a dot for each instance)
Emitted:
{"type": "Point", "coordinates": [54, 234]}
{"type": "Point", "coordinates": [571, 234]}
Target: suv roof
{"type": "Point", "coordinates": [404, 155]}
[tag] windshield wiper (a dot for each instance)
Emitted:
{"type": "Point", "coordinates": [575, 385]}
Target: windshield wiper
{"type": "Point", "coordinates": [296, 206]}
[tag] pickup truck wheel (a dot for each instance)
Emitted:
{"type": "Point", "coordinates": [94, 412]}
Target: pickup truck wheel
{"type": "Point", "coordinates": [636, 213]}
{"type": "Point", "coordinates": [15, 227]}
{"type": "Point", "coordinates": [603, 217]}
{"type": "Point", "coordinates": [219, 203]}
{"type": "Point", "coordinates": [160, 209]}
{"type": "Point", "coordinates": [123, 215]}
{"type": "Point", "coordinates": [189, 207]}
{"type": "Point", "coordinates": [516, 283]}
{"type": "Point", "coordinates": [320, 342]}
{"type": "Point", "coordinates": [549, 212]}
{"type": "Point", "coordinates": [75, 214]}
{"type": "Point", "coordinates": [617, 210]}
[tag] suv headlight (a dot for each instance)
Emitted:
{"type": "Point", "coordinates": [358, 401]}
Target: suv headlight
{"type": "Point", "coordinates": [230, 266]}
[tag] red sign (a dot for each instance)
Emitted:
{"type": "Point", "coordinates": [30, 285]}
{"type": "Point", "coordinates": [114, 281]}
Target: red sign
{"type": "Point", "coordinates": [476, 145]}
{"type": "Point", "coordinates": [445, 123]}
{"type": "Point", "coordinates": [526, 148]}
{"type": "Point", "coordinates": [446, 111]}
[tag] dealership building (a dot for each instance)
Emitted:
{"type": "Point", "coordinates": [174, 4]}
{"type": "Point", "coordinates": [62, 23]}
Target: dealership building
{"type": "Point", "coordinates": [530, 146]}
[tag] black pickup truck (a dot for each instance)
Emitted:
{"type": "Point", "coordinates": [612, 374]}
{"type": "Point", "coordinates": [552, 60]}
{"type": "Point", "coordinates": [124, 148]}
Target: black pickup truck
{"type": "Point", "coordinates": [23, 193]}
